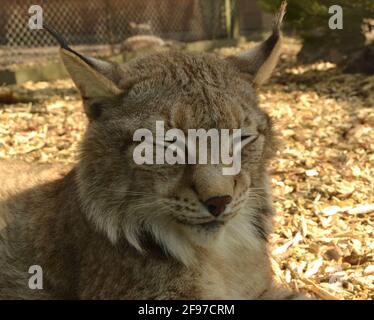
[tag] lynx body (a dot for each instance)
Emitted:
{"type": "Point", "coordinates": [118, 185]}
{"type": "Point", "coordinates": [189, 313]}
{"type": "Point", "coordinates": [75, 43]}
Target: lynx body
{"type": "Point", "coordinates": [107, 228]}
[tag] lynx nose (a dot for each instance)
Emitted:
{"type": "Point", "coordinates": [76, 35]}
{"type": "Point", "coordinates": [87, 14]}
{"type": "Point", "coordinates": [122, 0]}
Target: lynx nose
{"type": "Point", "coordinates": [216, 205]}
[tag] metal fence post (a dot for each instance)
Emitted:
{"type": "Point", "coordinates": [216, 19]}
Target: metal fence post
{"type": "Point", "coordinates": [235, 28]}
{"type": "Point", "coordinates": [228, 17]}
{"type": "Point", "coordinates": [109, 25]}
{"type": "Point", "coordinates": [232, 21]}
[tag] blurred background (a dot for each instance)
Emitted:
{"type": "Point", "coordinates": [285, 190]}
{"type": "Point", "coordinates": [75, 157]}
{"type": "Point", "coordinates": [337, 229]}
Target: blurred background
{"type": "Point", "coordinates": [102, 25]}
{"type": "Point", "coordinates": [320, 98]}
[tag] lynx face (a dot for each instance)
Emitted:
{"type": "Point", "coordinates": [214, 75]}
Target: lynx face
{"type": "Point", "coordinates": [180, 206]}
{"type": "Point", "coordinates": [194, 202]}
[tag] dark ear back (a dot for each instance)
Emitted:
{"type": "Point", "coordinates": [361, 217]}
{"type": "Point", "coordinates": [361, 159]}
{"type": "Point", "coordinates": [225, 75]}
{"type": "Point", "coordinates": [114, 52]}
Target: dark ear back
{"type": "Point", "coordinates": [262, 59]}
{"type": "Point", "coordinates": [93, 77]}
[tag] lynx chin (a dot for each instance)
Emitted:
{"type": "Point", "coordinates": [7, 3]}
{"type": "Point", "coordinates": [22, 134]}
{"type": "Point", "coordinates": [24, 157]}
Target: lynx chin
{"type": "Point", "coordinates": [107, 228]}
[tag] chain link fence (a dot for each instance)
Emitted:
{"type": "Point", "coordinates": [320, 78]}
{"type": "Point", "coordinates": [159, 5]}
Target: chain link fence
{"type": "Point", "coordinates": [106, 22]}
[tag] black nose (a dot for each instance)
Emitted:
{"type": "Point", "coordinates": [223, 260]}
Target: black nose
{"type": "Point", "coordinates": [216, 205]}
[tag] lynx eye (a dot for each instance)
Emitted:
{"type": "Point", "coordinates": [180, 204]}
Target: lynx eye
{"type": "Point", "coordinates": [166, 143]}
{"type": "Point", "coordinates": [248, 138]}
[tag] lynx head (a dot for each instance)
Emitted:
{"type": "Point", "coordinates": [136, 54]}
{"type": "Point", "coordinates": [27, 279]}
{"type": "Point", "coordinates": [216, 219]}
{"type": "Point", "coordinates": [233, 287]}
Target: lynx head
{"type": "Point", "coordinates": [180, 207]}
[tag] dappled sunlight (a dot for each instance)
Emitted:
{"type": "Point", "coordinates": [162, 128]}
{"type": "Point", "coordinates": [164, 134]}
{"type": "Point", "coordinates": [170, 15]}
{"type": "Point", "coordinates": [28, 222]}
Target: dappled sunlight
{"type": "Point", "coordinates": [320, 66]}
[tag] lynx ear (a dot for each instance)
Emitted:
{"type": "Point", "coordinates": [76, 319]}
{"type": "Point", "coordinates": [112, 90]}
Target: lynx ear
{"type": "Point", "coordinates": [94, 78]}
{"type": "Point", "coordinates": [262, 59]}
{"type": "Point", "coordinates": [91, 76]}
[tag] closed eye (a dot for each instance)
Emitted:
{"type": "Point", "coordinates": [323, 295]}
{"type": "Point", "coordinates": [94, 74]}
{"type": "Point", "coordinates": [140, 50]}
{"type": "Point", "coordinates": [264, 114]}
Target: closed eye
{"type": "Point", "coordinates": [164, 143]}
{"type": "Point", "coordinates": [176, 143]}
{"type": "Point", "coordinates": [247, 139]}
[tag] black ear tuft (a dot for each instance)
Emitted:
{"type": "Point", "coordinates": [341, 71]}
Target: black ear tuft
{"type": "Point", "coordinates": [261, 60]}
{"type": "Point", "coordinates": [63, 43]}
{"type": "Point", "coordinates": [60, 39]}
{"type": "Point", "coordinates": [93, 77]}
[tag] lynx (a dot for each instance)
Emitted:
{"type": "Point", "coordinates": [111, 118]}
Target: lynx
{"type": "Point", "coordinates": [108, 228]}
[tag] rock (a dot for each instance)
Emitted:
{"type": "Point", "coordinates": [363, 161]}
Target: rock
{"type": "Point", "coordinates": [142, 42]}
